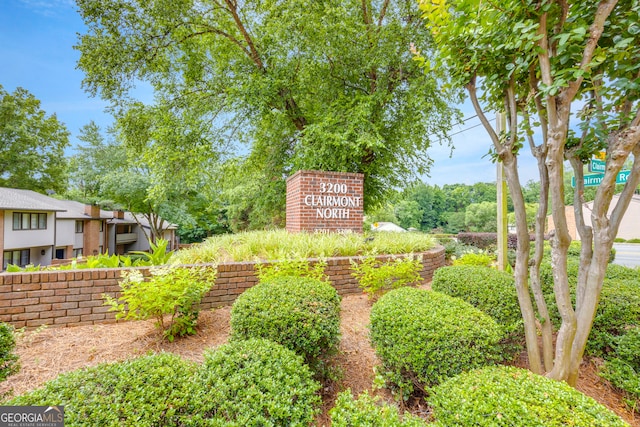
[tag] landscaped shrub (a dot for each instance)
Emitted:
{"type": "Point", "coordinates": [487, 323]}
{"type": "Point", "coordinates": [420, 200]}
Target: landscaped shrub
{"type": "Point", "coordinates": [367, 411]}
{"type": "Point", "coordinates": [8, 359]}
{"type": "Point", "coordinates": [292, 267]}
{"type": "Point", "coordinates": [487, 289]}
{"type": "Point", "coordinates": [633, 240]}
{"type": "Point", "coordinates": [486, 240]}
{"type": "Point", "coordinates": [423, 337]}
{"type": "Point", "coordinates": [377, 277]}
{"type": "Point", "coordinates": [302, 314]}
{"type": "Point", "coordinates": [618, 310]}
{"type": "Point", "coordinates": [623, 370]}
{"type": "Point", "coordinates": [147, 391]}
{"type": "Point", "coordinates": [508, 396]}
{"type": "Point", "coordinates": [253, 383]}
{"type": "Point", "coordinates": [480, 259]}
{"type": "Point", "coordinates": [173, 291]}
{"type": "Point", "coordinates": [455, 249]}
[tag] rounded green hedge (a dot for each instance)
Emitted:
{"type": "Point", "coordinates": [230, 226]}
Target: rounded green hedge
{"type": "Point", "coordinates": [423, 337]}
{"type": "Point", "coordinates": [617, 311]}
{"type": "Point", "coordinates": [367, 411]}
{"type": "Point", "coordinates": [303, 314]}
{"type": "Point", "coordinates": [487, 289]}
{"type": "Point", "coordinates": [623, 369]}
{"type": "Point", "coordinates": [9, 364]}
{"type": "Point", "coordinates": [147, 391]}
{"type": "Point", "coordinates": [253, 383]}
{"type": "Point", "coordinates": [508, 396]}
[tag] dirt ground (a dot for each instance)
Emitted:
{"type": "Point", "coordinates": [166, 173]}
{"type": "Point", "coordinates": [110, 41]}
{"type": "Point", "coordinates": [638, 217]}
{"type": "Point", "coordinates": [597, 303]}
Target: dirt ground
{"type": "Point", "coordinates": [46, 353]}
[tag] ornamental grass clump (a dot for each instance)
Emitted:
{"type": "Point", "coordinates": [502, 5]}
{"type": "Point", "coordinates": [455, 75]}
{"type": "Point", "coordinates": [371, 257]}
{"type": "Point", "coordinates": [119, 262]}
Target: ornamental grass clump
{"type": "Point", "coordinates": [279, 244]}
{"type": "Point", "coordinates": [424, 337]}
{"type": "Point", "coordinates": [253, 383]}
{"type": "Point", "coordinates": [506, 396]}
{"type": "Point", "coordinates": [147, 391]}
{"type": "Point", "coordinates": [301, 313]}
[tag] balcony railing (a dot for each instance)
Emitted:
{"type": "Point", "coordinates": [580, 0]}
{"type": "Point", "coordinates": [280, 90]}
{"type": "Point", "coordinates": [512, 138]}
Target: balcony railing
{"type": "Point", "coordinates": [124, 238]}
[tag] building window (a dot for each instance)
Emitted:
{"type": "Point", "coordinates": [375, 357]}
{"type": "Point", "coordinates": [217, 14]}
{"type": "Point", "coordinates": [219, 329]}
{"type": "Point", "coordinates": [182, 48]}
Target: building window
{"type": "Point", "coordinates": [77, 252]}
{"type": "Point", "coordinates": [100, 249]}
{"type": "Point", "coordinates": [101, 226]}
{"type": "Point", "coordinates": [79, 226]}
{"type": "Point", "coordinates": [60, 253]}
{"type": "Point", "coordinates": [18, 257]}
{"type": "Point", "coordinates": [29, 221]}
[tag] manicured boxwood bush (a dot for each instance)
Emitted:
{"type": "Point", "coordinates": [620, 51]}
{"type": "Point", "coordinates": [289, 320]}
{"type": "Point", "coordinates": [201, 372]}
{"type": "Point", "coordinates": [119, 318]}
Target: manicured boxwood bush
{"type": "Point", "coordinates": [146, 391]}
{"type": "Point", "coordinates": [423, 337]}
{"type": "Point", "coordinates": [253, 383]}
{"type": "Point", "coordinates": [367, 411]}
{"type": "Point", "coordinates": [623, 370]}
{"type": "Point", "coordinates": [9, 364]}
{"type": "Point", "coordinates": [303, 314]}
{"type": "Point", "coordinates": [508, 396]}
{"type": "Point", "coordinates": [618, 309]}
{"type": "Point", "coordinates": [487, 289]}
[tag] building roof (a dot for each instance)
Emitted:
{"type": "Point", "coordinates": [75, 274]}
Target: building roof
{"type": "Point", "coordinates": [27, 200]}
{"type": "Point", "coordinates": [387, 226]}
{"type": "Point", "coordinates": [15, 199]}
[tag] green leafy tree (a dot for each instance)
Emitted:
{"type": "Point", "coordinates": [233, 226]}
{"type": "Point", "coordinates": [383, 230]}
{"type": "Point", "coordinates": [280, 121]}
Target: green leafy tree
{"type": "Point", "coordinates": [534, 60]}
{"type": "Point", "coordinates": [408, 213]}
{"type": "Point", "coordinates": [31, 144]}
{"type": "Point", "coordinates": [306, 84]}
{"type": "Point", "coordinates": [94, 160]}
{"type": "Point", "coordinates": [481, 217]}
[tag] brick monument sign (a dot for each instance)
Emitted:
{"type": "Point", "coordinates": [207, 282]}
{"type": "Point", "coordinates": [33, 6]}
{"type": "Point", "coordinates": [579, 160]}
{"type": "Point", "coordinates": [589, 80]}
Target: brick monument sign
{"type": "Point", "coordinates": [325, 202]}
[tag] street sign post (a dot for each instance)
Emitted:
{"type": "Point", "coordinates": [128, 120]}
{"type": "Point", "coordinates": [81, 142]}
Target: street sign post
{"type": "Point", "coordinates": [593, 180]}
{"type": "Point", "coordinates": [597, 166]}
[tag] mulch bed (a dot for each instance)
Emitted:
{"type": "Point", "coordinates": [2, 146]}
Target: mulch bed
{"type": "Point", "coordinates": [44, 354]}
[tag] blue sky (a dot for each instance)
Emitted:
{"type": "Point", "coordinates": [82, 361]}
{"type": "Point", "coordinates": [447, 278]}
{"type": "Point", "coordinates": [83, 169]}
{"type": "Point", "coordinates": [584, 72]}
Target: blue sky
{"type": "Point", "coordinates": [36, 47]}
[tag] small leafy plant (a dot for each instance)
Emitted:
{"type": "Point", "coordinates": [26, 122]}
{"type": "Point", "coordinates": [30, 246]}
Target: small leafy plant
{"type": "Point", "coordinates": [8, 359]}
{"type": "Point", "coordinates": [377, 277]}
{"type": "Point", "coordinates": [480, 259]}
{"type": "Point", "coordinates": [172, 291]}
{"type": "Point", "coordinates": [292, 267]}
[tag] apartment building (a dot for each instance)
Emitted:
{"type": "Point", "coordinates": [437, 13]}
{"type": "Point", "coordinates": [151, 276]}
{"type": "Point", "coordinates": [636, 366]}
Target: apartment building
{"type": "Point", "coordinates": [36, 229]}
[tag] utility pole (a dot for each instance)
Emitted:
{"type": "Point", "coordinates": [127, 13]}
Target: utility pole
{"type": "Point", "coordinates": [501, 184]}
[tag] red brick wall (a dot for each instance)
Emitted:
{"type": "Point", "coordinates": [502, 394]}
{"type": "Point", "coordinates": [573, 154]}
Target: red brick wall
{"type": "Point", "coordinates": [73, 298]}
{"type": "Point", "coordinates": [310, 201]}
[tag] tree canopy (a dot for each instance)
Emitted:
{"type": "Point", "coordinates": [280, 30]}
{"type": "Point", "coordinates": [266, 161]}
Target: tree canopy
{"type": "Point", "coordinates": [539, 61]}
{"type": "Point", "coordinates": [32, 144]}
{"type": "Point", "coordinates": [304, 84]}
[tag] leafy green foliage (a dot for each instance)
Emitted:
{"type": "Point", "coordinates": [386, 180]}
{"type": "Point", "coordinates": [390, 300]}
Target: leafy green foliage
{"type": "Point", "coordinates": [312, 85]}
{"type": "Point", "coordinates": [253, 383]}
{"type": "Point", "coordinates": [367, 411]}
{"type": "Point", "coordinates": [481, 259]}
{"type": "Point", "coordinates": [158, 255]}
{"type": "Point", "coordinates": [491, 291]}
{"type": "Point", "coordinates": [147, 391]}
{"type": "Point", "coordinates": [377, 277]}
{"type": "Point", "coordinates": [33, 144]}
{"type": "Point", "coordinates": [623, 369]}
{"type": "Point", "coordinates": [175, 291]}
{"type": "Point", "coordinates": [279, 244]}
{"type": "Point", "coordinates": [302, 314]}
{"type": "Point", "coordinates": [423, 337]}
{"type": "Point", "coordinates": [292, 268]}
{"type": "Point", "coordinates": [508, 396]}
{"type": "Point", "coordinates": [619, 306]}
{"type": "Point", "coordinates": [9, 363]}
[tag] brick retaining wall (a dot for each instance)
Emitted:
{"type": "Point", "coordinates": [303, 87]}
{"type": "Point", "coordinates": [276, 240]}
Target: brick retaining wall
{"type": "Point", "coordinates": [70, 298]}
